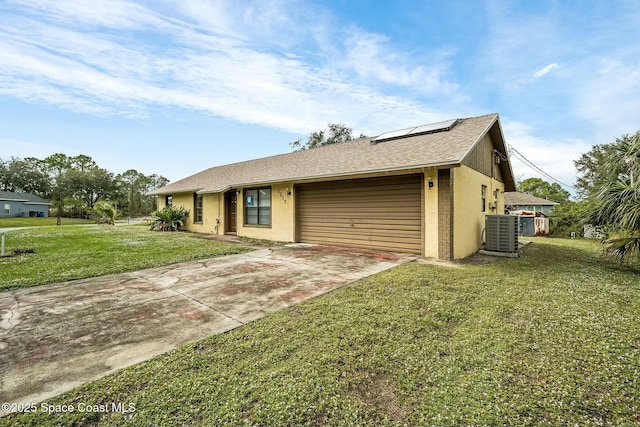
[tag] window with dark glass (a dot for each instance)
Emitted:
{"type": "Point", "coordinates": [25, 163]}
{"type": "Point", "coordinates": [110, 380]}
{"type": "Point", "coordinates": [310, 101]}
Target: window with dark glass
{"type": "Point", "coordinates": [197, 207]}
{"type": "Point", "coordinates": [484, 198]}
{"type": "Point", "coordinates": [257, 206]}
{"type": "Point", "coordinates": [168, 200]}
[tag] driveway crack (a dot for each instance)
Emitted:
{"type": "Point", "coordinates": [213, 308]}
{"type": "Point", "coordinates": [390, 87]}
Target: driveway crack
{"type": "Point", "coordinates": [7, 319]}
{"type": "Point", "coordinates": [206, 305]}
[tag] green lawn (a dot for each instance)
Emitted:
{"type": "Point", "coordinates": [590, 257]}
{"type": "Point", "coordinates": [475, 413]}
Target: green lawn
{"type": "Point", "coordinates": [38, 222]}
{"type": "Point", "coordinates": [552, 338]}
{"type": "Point", "coordinates": [72, 252]}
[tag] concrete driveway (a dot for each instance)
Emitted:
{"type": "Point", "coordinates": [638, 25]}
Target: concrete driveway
{"type": "Point", "coordinates": [56, 337]}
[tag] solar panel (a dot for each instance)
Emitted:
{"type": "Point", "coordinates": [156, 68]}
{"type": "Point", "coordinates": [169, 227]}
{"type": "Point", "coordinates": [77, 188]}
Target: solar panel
{"type": "Point", "coordinates": [392, 135]}
{"type": "Point", "coordinates": [420, 130]}
{"type": "Point", "coordinates": [434, 127]}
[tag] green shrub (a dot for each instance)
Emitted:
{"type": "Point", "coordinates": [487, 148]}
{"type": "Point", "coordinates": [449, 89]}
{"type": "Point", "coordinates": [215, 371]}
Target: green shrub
{"type": "Point", "coordinates": [170, 218]}
{"type": "Point", "coordinates": [566, 218]}
{"type": "Point", "coordinates": [105, 213]}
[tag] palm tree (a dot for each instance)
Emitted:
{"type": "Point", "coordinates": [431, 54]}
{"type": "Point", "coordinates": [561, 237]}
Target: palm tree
{"type": "Point", "coordinates": [106, 213]}
{"type": "Point", "coordinates": [618, 203]}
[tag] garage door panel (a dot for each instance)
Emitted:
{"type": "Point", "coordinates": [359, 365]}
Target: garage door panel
{"type": "Point", "coordinates": [358, 240]}
{"type": "Point", "coordinates": [379, 230]}
{"type": "Point", "coordinates": [361, 220]}
{"type": "Point", "coordinates": [354, 234]}
{"type": "Point", "coordinates": [354, 206]}
{"type": "Point", "coordinates": [373, 224]}
{"type": "Point", "coordinates": [382, 245]}
{"type": "Point", "coordinates": [377, 213]}
{"type": "Point", "coordinates": [401, 194]}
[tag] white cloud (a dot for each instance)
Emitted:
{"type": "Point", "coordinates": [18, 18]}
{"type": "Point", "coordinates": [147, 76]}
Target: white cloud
{"type": "Point", "coordinates": [516, 42]}
{"type": "Point", "coordinates": [246, 20]}
{"type": "Point", "coordinates": [555, 157]}
{"type": "Point", "coordinates": [372, 57]}
{"type": "Point", "coordinates": [546, 70]}
{"type": "Point", "coordinates": [594, 95]}
{"type": "Point", "coordinates": [609, 94]}
{"type": "Point", "coordinates": [48, 55]}
{"type": "Point", "coordinates": [87, 14]}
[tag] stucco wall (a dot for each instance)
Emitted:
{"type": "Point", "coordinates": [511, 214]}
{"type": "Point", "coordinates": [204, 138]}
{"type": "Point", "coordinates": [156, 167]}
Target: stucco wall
{"type": "Point", "coordinates": [469, 219]}
{"type": "Point", "coordinates": [431, 214]}
{"type": "Point", "coordinates": [186, 201]}
{"type": "Point", "coordinates": [282, 227]}
{"type": "Point", "coordinates": [161, 201]}
{"type": "Point", "coordinates": [211, 209]}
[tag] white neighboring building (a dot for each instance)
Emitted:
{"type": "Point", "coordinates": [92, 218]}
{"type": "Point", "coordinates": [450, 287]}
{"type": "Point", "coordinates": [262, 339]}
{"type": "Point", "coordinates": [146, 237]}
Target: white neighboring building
{"type": "Point", "coordinates": [594, 232]}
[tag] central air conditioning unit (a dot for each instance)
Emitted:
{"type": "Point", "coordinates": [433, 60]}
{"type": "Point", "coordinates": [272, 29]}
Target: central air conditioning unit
{"type": "Point", "coordinates": [502, 233]}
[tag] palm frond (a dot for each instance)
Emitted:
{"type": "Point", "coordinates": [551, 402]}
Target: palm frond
{"type": "Point", "coordinates": [623, 246]}
{"type": "Point", "coordinates": [170, 218]}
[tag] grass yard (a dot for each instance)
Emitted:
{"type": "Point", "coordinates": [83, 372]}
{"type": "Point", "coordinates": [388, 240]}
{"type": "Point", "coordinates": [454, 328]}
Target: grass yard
{"type": "Point", "coordinates": [552, 338]}
{"type": "Point", "coordinates": [73, 252]}
{"type": "Point", "coordinates": [39, 222]}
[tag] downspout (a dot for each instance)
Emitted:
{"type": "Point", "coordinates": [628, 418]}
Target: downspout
{"type": "Point", "coordinates": [215, 229]}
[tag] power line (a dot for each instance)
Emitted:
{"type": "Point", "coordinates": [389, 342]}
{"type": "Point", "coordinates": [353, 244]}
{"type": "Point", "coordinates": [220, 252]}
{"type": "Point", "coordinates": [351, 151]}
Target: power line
{"type": "Point", "coordinates": [529, 163]}
{"type": "Point", "coordinates": [537, 169]}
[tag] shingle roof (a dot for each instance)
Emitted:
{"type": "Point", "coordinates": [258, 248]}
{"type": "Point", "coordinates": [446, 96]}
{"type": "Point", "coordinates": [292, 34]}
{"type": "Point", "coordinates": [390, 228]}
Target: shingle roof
{"type": "Point", "coordinates": [22, 197]}
{"type": "Point", "coordinates": [345, 159]}
{"type": "Point", "coordinates": [515, 198]}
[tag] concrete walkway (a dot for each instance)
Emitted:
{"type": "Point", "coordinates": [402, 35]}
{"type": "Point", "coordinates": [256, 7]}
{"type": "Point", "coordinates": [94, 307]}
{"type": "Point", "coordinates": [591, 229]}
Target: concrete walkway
{"type": "Point", "coordinates": [56, 337]}
{"type": "Point", "coordinates": [7, 229]}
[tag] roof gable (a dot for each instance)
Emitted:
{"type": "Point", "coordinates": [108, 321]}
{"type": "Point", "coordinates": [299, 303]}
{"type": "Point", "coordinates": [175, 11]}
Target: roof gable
{"type": "Point", "coordinates": [489, 155]}
{"type": "Point", "coordinates": [351, 158]}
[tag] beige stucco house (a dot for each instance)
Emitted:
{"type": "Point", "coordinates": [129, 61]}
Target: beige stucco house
{"type": "Point", "coordinates": [423, 190]}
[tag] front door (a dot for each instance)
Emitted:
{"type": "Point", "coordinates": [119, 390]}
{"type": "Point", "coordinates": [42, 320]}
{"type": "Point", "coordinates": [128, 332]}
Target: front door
{"type": "Point", "coordinates": [231, 209]}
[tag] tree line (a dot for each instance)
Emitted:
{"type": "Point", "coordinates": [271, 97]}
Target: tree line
{"type": "Point", "coordinates": [608, 195]}
{"type": "Point", "coordinates": [75, 184]}
{"type": "Point", "coordinates": [609, 188]}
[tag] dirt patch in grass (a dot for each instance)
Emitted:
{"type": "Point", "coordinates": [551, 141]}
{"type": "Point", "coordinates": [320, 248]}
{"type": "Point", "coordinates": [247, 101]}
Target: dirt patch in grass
{"type": "Point", "coordinates": [478, 259]}
{"type": "Point", "coordinates": [379, 396]}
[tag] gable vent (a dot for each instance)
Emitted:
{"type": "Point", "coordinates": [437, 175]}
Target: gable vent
{"type": "Point", "coordinates": [419, 130]}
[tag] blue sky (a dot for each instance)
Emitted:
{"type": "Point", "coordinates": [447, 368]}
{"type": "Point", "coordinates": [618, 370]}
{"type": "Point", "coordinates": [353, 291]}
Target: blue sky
{"type": "Point", "coordinates": [176, 86]}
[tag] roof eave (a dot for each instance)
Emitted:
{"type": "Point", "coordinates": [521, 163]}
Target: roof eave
{"type": "Point", "coordinates": [160, 191]}
{"type": "Point", "coordinates": [345, 175]}
{"type": "Point", "coordinates": [6, 199]}
{"type": "Point", "coordinates": [509, 179]}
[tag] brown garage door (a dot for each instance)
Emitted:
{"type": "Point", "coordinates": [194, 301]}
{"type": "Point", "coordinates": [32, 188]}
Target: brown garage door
{"type": "Point", "coordinates": [374, 213]}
